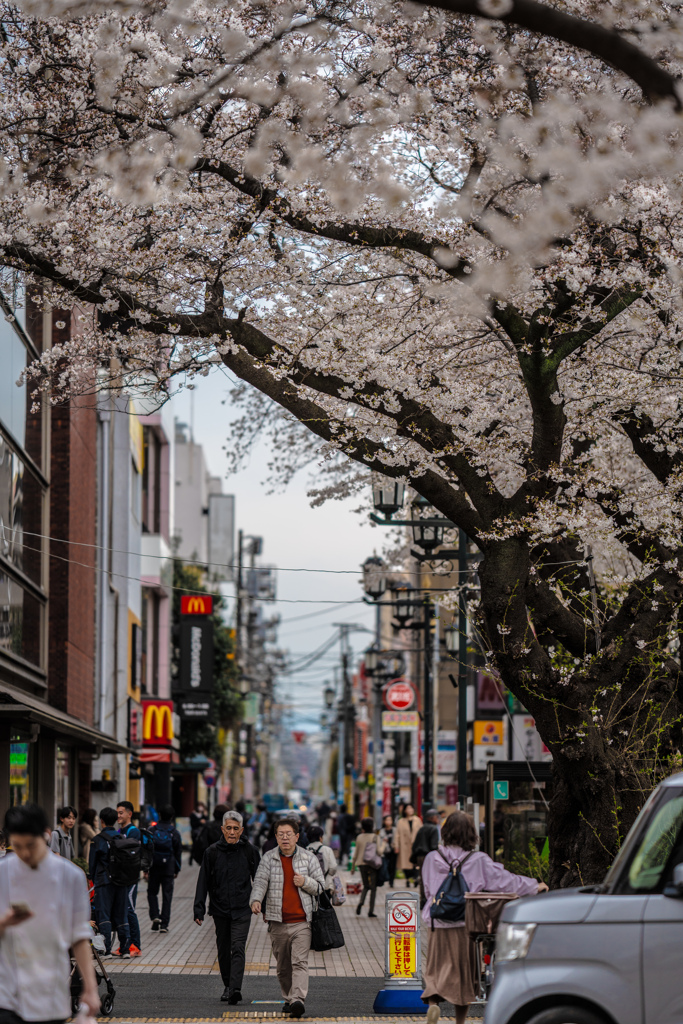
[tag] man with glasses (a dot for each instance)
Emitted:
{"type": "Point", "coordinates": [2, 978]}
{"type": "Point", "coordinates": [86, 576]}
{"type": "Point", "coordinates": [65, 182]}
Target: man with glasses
{"type": "Point", "coordinates": [227, 870]}
{"type": "Point", "coordinates": [287, 879]}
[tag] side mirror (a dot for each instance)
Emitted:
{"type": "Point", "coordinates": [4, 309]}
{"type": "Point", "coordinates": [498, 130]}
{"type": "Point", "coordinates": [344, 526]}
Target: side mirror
{"type": "Point", "coordinates": [675, 887]}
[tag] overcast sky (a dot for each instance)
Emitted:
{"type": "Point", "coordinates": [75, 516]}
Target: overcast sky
{"type": "Point", "coordinates": [295, 536]}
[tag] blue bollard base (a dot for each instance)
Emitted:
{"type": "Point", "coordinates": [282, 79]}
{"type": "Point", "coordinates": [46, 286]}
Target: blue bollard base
{"type": "Point", "coordinates": [399, 1000]}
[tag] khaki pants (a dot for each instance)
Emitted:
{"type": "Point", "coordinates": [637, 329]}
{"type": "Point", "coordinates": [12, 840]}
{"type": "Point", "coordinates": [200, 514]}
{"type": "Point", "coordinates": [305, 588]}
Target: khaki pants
{"type": "Point", "coordinates": [291, 946]}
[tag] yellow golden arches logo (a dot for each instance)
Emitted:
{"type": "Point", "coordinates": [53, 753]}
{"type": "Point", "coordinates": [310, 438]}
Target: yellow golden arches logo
{"type": "Point", "coordinates": [157, 723]}
{"type": "Point", "coordinates": [196, 604]}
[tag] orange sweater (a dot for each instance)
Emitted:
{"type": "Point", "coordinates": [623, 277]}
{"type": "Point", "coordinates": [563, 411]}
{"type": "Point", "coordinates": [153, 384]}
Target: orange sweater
{"type": "Point", "coordinates": [292, 909]}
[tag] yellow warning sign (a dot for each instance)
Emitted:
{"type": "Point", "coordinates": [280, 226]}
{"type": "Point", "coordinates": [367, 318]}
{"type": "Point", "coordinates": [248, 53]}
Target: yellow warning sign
{"type": "Point", "coordinates": [402, 955]}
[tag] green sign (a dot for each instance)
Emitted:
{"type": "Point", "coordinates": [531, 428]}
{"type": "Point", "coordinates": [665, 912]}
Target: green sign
{"type": "Point", "coordinates": [501, 790]}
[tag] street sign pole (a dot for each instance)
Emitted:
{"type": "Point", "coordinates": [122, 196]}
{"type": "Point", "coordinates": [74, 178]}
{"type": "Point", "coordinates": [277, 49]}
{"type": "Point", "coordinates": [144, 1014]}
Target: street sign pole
{"type": "Point", "coordinates": [403, 956]}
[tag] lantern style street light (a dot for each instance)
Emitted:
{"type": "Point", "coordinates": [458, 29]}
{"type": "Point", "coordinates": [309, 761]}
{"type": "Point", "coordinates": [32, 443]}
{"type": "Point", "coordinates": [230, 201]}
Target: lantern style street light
{"type": "Point", "coordinates": [452, 637]}
{"type": "Point", "coordinates": [405, 604]}
{"type": "Point", "coordinates": [374, 578]}
{"type": "Point", "coordinates": [371, 661]}
{"type": "Point", "coordinates": [324, 720]}
{"type": "Point", "coordinates": [388, 495]}
{"type": "Point", "coordinates": [427, 530]}
{"type": "Point", "coordinates": [329, 696]}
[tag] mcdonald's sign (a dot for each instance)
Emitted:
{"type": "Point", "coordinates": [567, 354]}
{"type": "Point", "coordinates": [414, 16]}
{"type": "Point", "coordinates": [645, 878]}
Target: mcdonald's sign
{"type": "Point", "coordinates": [157, 723]}
{"type": "Point", "coordinates": [196, 604]}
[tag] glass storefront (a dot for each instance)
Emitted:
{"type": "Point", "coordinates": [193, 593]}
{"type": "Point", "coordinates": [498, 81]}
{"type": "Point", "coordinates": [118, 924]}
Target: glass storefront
{"type": "Point", "coordinates": [63, 778]}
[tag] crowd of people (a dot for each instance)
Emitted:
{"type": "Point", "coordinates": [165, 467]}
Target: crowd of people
{"type": "Point", "coordinates": [259, 864]}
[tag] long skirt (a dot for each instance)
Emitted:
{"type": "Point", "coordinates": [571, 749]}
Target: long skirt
{"type": "Point", "coordinates": [451, 970]}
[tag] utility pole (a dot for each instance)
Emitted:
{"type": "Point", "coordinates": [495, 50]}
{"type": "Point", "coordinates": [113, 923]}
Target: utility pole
{"type": "Point", "coordinates": [428, 714]}
{"type": "Point", "coordinates": [463, 791]}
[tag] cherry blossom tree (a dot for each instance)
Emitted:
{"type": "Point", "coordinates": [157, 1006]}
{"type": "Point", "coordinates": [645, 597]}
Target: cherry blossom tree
{"type": "Point", "coordinates": [439, 242]}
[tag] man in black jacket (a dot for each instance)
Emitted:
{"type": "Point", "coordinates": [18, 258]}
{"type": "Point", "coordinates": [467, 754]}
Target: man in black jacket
{"type": "Point", "coordinates": [426, 840]}
{"type": "Point", "coordinates": [228, 868]}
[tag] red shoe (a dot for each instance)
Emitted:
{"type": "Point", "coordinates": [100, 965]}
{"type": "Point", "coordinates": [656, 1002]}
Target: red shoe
{"type": "Point", "coordinates": [134, 951]}
{"type": "Point", "coordinates": [117, 952]}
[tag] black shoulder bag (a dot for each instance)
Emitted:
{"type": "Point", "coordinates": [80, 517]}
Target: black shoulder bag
{"type": "Point", "coordinates": [326, 931]}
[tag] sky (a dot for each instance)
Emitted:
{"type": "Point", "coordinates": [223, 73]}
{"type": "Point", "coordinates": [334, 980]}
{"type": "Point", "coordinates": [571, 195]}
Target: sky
{"type": "Point", "coordinates": [295, 536]}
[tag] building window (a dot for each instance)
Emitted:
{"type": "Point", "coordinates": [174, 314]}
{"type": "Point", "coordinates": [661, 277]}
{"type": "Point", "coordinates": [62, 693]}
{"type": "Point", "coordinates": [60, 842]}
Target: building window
{"type": "Point", "coordinates": [21, 621]}
{"type": "Point", "coordinates": [63, 780]}
{"type": "Point", "coordinates": [21, 513]}
{"type": "Point", "coordinates": [151, 482]}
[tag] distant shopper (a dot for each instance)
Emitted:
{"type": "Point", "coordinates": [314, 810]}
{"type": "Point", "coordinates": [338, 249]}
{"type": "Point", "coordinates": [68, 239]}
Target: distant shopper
{"type": "Point", "coordinates": [450, 971]}
{"type": "Point", "coordinates": [198, 819]}
{"type": "Point", "coordinates": [388, 835]}
{"type": "Point", "coordinates": [61, 841]}
{"type": "Point", "coordinates": [111, 898]}
{"type": "Point", "coordinates": [406, 831]}
{"type": "Point", "coordinates": [125, 810]}
{"type": "Point", "coordinates": [346, 827]}
{"type": "Point", "coordinates": [426, 840]}
{"type": "Point", "coordinates": [286, 882]}
{"type": "Point", "coordinates": [326, 857]}
{"type": "Point", "coordinates": [226, 874]}
{"type": "Point", "coordinates": [209, 833]}
{"type": "Point", "coordinates": [87, 830]}
{"type": "Point", "coordinates": [168, 851]}
{"type": "Point", "coordinates": [44, 911]}
{"type": "Point", "coordinates": [368, 859]}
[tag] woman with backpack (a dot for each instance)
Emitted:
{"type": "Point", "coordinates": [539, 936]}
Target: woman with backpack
{"type": "Point", "coordinates": [326, 857]}
{"type": "Point", "coordinates": [368, 858]}
{"type": "Point", "coordinates": [450, 972]}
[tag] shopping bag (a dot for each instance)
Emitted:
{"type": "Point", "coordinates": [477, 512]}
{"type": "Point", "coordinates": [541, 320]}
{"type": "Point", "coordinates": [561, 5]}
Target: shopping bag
{"type": "Point", "coordinates": [338, 896]}
{"type": "Point", "coordinates": [483, 910]}
{"type": "Point", "coordinates": [326, 931]}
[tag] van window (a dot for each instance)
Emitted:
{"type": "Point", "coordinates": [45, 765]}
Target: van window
{"type": "Point", "coordinates": [656, 847]}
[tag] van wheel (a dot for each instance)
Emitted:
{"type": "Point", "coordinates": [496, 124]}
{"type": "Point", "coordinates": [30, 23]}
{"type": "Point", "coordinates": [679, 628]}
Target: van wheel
{"type": "Point", "coordinates": [566, 1015]}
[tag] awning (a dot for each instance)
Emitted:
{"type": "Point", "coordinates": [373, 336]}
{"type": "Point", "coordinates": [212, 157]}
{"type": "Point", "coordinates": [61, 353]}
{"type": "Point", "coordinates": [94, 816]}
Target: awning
{"type": "Point", "coordinates": [158, 755]}
{"type": "Point", "coordinates": [17, 707]}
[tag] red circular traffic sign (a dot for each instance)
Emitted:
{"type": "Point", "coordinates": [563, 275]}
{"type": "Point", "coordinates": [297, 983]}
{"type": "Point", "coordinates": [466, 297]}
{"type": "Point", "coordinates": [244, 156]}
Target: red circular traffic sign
{"type": "Point", "coordinates": [399, 696]}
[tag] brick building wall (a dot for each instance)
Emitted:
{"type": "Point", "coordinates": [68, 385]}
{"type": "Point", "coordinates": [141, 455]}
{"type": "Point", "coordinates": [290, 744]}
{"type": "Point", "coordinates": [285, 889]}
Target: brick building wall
{"type": "Point", "coordinates": [73, 583]}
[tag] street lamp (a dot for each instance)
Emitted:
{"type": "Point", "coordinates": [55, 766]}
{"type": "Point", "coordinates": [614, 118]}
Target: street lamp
{"type": "Point", "coordinates": [324, 720]}
{"type": "Point", "coordinates": [329, 695]}
{"type": "Point", "coordinates": [374, 578]}
{"type": "Point", "coordinates": [405, 604]}
{"type": "Point", "coordinates": [388, 495]}
{"type": "Point", "coordinates": [428, 534]}
{"type": "Point", "coordinates": [371, 660]}
{"type": "Point", "coordinates": [452, 637]}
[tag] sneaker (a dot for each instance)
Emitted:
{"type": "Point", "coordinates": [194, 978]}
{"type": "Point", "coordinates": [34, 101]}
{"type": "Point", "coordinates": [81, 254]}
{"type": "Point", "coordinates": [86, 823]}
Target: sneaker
{"type": "Point", "coordinates": [369, 915]}
{"type": "Point", "coordinates": [119, 952]}
{"type": "Point", "coordinates": [155, 924]}
{"type": "Point", "coordinates": [135, 950]}
{"type": "Point", "coordinates": [433, 1014]}
{"type": "Point", "coordinates": [297, 1008]}
{"type": "Point", "coordinates": [165, 930]}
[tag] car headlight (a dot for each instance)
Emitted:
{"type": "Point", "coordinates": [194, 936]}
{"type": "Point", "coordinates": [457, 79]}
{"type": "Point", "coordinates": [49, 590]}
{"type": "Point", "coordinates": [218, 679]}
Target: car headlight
{"type": "Point", "coordinates": [513, 940]}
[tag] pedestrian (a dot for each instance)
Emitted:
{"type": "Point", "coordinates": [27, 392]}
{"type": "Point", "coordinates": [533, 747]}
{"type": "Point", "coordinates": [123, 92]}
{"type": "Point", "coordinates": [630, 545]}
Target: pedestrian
{"type": "Point", "coordinates": [257, 820]}
{"type": "Point", "coordinates": [111, 898]}
{"type": "Point", "coordinates": [198, 818]}
{"type": "Point", "coordinates": [44, 912]}
{"type": "Point", "coordinates": [125, 810]}
{"type": "Point", "coordinates": [87, 830]}
{"type": "Point", "coordinates": [450, 972]}
{"type": "Point", "coordinates": [406, 830]}
{"type": "Point", "coordinates": [346, 827]}
{"type": "Point", "coordinates": [61, 841]}
{"type": "Point", "coordinates": [367, 858]}
{"type": "Point", "coordinates": [209, 833]}
{"type": "Point", "coordinates": [168, 852]}
{"type": "Point", "coordinates": [426, 840]}
{"type": "Point", "coordinates": [286, 881]}
{"type": "Point", "coordinates": [323, 811]}
{"type": "Point", "coordinates": [388, 835]}
{"type": "Point", "coordinates": [227, 872]}
{"type": "Point", "coordinates": [326, 857]}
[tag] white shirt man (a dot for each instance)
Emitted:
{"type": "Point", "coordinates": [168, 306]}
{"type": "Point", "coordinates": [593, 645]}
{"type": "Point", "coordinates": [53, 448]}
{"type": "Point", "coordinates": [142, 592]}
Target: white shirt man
{"type": "Point", "coordinates": [44, 911]}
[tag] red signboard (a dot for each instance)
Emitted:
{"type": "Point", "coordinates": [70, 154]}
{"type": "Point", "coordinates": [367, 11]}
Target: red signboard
{"type": "Point", "coordinates": [399, 695]}
{"type": "Point", "coordinates": [157, 723]}
{"type": "Point", "coordinates": [196, 604]}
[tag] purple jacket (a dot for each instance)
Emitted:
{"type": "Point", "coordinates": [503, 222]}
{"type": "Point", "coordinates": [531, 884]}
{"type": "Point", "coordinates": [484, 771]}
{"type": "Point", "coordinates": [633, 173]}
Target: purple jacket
{"type": "Point", "coordinates": [480, 872]}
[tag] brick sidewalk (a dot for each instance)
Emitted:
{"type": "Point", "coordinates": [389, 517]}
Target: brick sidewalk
{"type": "Point", "coordinates": [189, 949]}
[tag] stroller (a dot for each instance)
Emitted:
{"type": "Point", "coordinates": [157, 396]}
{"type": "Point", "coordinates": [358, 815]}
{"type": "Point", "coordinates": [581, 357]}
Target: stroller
{"type": "Point", "coordinates": [107, 996]}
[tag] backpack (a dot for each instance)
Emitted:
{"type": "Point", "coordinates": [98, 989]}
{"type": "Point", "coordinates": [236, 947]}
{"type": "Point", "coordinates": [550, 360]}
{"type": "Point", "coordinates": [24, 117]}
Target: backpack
{"type": "Point", "coordinates": [147, 849]}
{"type": "Point", "coordinates": [321, 858]}
{"type": "Point", "coordinates": [124, 859]}
{"type": "Point", "coordinates": [163, 844]}
{"type": "Point", "coordinates": [371, 858]}
{"type": "Point", "coordinates": [449, 902]}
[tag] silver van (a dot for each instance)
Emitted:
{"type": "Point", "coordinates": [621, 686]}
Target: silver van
{"type": "Point", "coordinates": [604, 954]}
